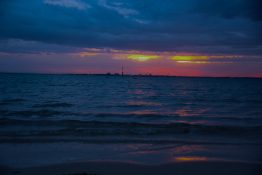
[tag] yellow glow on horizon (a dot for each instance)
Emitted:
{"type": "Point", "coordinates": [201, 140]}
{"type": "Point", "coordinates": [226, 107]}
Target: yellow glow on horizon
{"type": "Point", "coordinates": [195, 62]}
{"type": "Point", "coordinates": [188, 57]}
{"type": "Point", "coordinates": [206, 62]}
{"type": "Point", "coordinates": [141, 57]}
{"type": "Point", "coordinates": [87, 54]}
{"type": "Point", "coordinates": [144, 56]}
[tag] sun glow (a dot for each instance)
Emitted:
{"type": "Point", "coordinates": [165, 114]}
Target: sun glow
{"type": "Point", "coordinates": [144, 56]}
{"type": "Point", "coordinates": [141, 57]}
{"type": "Point", "coordinates": [188, 57]}
{"type": "Point", "coordinates": [206, 62]}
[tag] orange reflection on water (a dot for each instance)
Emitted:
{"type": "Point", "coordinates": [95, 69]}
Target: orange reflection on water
{"type": "Point", "coordinates": [141, 93]}
{"type": "Point", "coordinates": [183, 112]}
{"type": "Point", "coordinates": [188, 112]}
{"type": "Point", "coordinates": [187, 149]}
{"type": "Point", "coordinates": [143, 112]}
{"type": "Point", "coordinates": [142, 103]}
{"type": "Point", "coordinates": [190, 159]}
{"type": "Point", "coordinates": [137, 92]}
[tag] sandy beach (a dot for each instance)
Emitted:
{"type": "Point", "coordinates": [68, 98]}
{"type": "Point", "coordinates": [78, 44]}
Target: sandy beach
{"type": "Point", "coordinates": [125, 168]}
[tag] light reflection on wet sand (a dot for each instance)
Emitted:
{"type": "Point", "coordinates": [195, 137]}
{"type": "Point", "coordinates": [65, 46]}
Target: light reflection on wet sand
{"type": "Point", "coordinates": [169, 152]}
{"type": "Point", "coordinates": [190, 159]}
{"type": "Point", "coordinates": [151, 154]}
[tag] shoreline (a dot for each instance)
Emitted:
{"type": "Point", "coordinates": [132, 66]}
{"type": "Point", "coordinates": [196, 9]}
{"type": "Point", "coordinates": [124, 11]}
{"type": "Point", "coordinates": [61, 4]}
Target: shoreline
{"type": "Point", "coordinates": [44, 154]}
{"type": "Point", "coordinates": [130, 168]}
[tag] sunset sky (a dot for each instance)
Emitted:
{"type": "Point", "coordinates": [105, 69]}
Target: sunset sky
{"type": "Point", "coordinates": [160, 37]}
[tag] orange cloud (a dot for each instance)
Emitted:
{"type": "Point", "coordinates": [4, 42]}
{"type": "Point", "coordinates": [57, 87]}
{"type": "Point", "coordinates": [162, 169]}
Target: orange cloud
{"type": "Point", "coordinates": [188, 57]}
{"type": "Point", "coordinates": [144, 56]}
{"type": "Point", "coordinates": [205, 62]}
{"type": "Point", "coordinates": [87, 54]}
{"type": "Point", "coordinates": [141, 57]}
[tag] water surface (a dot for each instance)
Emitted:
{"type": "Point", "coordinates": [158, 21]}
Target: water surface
{"type": "Point", "coordinates": [97, 109]}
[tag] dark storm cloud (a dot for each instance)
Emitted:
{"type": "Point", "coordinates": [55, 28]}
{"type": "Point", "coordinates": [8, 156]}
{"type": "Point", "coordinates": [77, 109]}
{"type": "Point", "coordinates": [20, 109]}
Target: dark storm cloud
{"type": "Point", "coordinates": [192, 25]}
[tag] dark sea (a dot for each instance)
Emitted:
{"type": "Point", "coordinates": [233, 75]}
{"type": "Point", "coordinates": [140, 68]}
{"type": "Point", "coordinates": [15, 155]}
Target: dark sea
{"type": "Point", "coordinates": [61, 118]}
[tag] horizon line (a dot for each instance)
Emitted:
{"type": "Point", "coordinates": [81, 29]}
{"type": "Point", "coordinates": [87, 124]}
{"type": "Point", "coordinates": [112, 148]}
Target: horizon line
{"type": "Point", "coordinates": [130, 75]}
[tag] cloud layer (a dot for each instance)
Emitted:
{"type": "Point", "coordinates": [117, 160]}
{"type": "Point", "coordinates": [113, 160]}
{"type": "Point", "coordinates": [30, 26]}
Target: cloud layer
{"type": "Point", "coordinates": [133, 24]}
{"type": "Point", "coordinates": [68, 3]}
{"type": "Point", "coordinates": [203, 27]}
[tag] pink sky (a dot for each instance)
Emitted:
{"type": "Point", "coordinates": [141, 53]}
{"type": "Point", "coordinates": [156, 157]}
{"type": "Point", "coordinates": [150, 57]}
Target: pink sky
{"type": "Point", "coordinates": [93, 61]}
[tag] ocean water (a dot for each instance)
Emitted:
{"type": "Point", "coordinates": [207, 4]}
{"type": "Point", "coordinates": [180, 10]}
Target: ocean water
{"type": "Point", "coordinates": [100, 109]}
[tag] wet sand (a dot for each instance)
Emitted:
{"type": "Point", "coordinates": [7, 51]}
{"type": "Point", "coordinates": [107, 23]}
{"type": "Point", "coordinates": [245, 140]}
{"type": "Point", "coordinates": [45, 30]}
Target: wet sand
{"type": "Point", "coordinates": [125, 168]}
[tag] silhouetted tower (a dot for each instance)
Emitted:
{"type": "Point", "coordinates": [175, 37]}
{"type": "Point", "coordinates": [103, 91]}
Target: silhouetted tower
{"type": "Point", "coordinates": [122, 70]}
